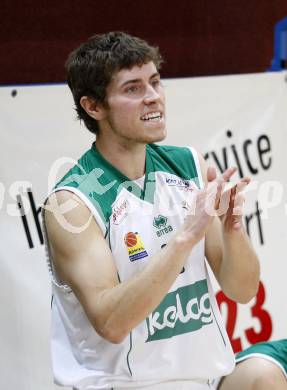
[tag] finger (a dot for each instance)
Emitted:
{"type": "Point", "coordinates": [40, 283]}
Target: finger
{"type": "Point", "coordinates": [246, 180]}
{"type": "Point", "coordinates": [228, 200]}
{"type": "Point", "coordinates": [239, 199]}
{"type": "Point", "coordinates": [237, 210]}
{"type": "Point", "coordinates": [224, 191]}
{"type": "Point", "coordinates": [211, 174]}
{"type": "Point", "coordinates": [242, 184]}
{"type": "Point", "coordinates": [216, 187]}
{"type": "Point", "coordinates": [235, 187]}
{"type": "Point", "coordinates": [222, 183]}
{"type": "Point", "coordinates": [214, 192]}
{"type": "Point", "coordinates": [228, 187]}
{"type": "Point", "coordinates": [228, 173]}
{"type": "Point", "coordinates": [211, 201]}
{"type": "Point", "coordinates": [238, 203]}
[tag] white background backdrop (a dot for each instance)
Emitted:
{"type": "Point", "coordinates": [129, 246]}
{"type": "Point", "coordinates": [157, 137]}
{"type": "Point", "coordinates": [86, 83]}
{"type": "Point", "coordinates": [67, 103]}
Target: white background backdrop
{"type": "Point", "coordinates": [38, 126]}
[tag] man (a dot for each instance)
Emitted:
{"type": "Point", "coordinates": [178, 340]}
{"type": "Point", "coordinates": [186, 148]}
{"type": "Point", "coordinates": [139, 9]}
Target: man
{"type": "Point", "coordinates": [132, 302]}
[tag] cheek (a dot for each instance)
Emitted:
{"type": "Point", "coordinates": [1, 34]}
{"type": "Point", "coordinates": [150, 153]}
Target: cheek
{"type": "Point", "coordinates": [127, 113]}
{"type": "Point", "coordinates": [125, 118]}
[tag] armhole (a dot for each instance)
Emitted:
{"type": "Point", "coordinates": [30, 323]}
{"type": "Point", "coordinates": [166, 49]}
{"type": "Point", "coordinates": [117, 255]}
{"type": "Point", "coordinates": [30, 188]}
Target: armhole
{"type": "Point", "coordinates": [48, 253]}
{"type": "Point", "coordinates": [197, 165]}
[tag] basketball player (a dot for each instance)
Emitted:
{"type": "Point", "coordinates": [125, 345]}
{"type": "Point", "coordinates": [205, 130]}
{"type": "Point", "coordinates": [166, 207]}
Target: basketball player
{"type": "Point", "coordinates": [128, 229]}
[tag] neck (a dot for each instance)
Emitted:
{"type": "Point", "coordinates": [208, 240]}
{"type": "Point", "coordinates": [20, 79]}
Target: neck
{"type": "Point", "coordinates": [128, 157]}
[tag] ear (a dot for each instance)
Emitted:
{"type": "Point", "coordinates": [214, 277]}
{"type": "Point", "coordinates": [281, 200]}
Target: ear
{"type": "Point", "coordinates": [92, 108]}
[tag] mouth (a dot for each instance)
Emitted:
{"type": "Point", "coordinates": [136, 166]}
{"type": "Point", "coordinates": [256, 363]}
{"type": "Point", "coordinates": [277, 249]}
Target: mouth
{"type": "Point", "coordinates": [152, 117]}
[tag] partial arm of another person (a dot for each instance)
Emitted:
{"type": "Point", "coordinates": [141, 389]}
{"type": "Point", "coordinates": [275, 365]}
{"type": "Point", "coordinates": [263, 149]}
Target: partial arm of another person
{"type": "Point", "coordinates": [255, 373]}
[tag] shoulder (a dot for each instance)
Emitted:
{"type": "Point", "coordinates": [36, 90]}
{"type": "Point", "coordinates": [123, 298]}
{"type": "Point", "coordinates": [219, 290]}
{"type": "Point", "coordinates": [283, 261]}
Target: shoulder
{"type": "Point", "coordinates": [66, 215]}
{"type": "Point", "coordinates": [80, 170]}
{"type": "Point", "coordinates": [176, 150]}
{"type": "Point", "coordinates": [185, 160]}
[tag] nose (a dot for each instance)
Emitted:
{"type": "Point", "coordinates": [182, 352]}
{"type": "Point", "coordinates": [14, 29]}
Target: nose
{"type": "Point", "coordinates": [151, 95]}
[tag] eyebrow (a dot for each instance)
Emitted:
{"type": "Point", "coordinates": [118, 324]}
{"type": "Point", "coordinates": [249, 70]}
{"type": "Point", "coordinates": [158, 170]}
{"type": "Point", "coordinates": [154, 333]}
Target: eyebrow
{"type": "Point", "coordinates": [133, 81]}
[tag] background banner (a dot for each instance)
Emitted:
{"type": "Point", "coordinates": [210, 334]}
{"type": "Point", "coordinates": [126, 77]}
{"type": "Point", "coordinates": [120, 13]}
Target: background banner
{"type": "Point", "coordinates": [232, 120]}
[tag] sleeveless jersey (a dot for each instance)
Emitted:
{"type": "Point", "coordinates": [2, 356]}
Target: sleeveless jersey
{"type": "Point", "coordinates": [275, 351]}
{"type": "Point", "coordinates": [184, 338]}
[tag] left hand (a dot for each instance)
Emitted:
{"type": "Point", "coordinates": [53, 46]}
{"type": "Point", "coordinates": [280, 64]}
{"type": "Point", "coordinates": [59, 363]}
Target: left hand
{"type": "Point", "coordinates": [229, 204]}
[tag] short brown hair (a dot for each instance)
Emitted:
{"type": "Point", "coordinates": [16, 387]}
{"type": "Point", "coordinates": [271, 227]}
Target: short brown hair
{"type": "Point", "coordinates": [91, 66]}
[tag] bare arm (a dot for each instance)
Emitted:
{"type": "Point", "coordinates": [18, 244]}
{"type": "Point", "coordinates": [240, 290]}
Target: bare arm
{"type": "Point", "coordinates": [229, 250]}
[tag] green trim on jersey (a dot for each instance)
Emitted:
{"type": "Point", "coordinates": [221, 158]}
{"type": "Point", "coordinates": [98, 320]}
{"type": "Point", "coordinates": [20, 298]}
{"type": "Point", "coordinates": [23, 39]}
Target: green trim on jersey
{"type": "Point", "coordinates": [101, 182]}
{"type": "Point", "coordinates": [176, 160]}
{"type": "Point", "coordinates": [276, 350]}
{"type": "Point", "coordinates": [128, 354]}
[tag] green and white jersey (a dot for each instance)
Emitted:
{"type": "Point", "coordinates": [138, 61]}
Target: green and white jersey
{"type": "Point", "coordinates": [184, 337]}
{"type": "Point", "coordinates": [274, 351]}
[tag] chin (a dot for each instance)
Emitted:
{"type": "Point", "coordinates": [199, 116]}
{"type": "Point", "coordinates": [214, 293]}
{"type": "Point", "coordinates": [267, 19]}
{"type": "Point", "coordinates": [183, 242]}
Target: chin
{"type": "Point", "coordinates": [156, 136]}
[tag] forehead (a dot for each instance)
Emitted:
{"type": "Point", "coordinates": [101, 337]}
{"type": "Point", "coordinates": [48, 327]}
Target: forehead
{"type": "Point", "coordinates": [137, 72]}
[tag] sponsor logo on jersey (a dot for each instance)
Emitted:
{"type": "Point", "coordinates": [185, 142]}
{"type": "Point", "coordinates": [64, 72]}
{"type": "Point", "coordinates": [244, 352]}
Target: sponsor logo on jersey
{"type": "Point", "coordinates": [184, 310]}
{"type": "Point", "coordinates": [120, 210]}
{"type": "Point", "coordinates": [160, 223]}
{"type": "Point", "coordinates": [181, 184]}
{"type": "Point", "coordinates": [134, 246]}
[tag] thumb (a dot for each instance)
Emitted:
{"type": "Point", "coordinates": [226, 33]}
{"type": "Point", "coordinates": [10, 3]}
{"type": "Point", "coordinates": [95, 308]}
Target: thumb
{"type": "Point", "coordinates": [210, 174]}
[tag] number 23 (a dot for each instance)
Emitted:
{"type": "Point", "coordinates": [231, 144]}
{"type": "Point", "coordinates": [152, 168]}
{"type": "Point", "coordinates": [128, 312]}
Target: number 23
{"type": "Point", "coordinates": [257, 311]}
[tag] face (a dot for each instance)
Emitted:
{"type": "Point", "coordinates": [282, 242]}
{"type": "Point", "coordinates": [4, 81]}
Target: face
{"type": "Point", "coordinates": [136, 106]}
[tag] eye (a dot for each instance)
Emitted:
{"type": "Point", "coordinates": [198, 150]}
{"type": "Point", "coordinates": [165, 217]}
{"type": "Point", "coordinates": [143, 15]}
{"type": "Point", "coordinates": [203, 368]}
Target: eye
{"type": "Point", "coordinates": [155, 83]}
{"type": "Point", "coordinates": [132, 89]}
